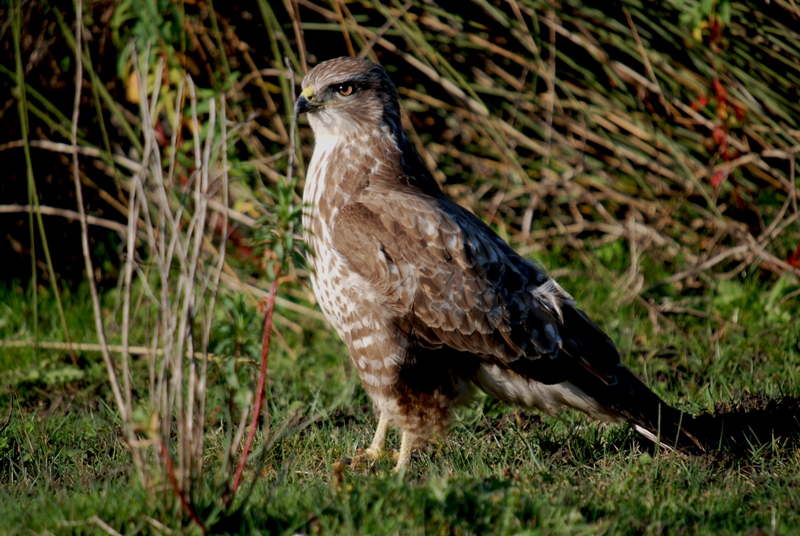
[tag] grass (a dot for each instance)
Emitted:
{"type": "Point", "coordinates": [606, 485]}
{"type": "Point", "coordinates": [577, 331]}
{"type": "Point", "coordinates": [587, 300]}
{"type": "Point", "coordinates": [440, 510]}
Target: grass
{"type": "Point", "coordinates": [501, 470]}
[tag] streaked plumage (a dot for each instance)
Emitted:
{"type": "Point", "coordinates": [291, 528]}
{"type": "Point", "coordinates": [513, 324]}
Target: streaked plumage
{"type": "Point", "coordinates": [429, 300]}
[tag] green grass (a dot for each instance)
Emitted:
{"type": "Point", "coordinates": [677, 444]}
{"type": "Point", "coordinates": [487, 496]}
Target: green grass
{"type": "Point", "coordinates": [501, 470]}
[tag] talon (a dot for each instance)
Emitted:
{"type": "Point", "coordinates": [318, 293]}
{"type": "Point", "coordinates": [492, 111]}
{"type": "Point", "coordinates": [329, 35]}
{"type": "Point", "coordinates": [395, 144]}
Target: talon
{"type": "Point", "coordinates": [375, 451]}
{"type": "Point", "coordinates": [355, 461]}
{"type": "Point", "coordinates": [340, 466]}
{"type": "Point", "coordinates": [368, 455]}
{"type": "Point", "coordinates": [373, 454]}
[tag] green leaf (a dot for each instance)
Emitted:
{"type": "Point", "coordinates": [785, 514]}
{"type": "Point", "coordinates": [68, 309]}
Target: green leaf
{"type": "Point", "coordinates": [63, 375]}
{"type": "Point", "coordinates": [772, 300]}
{"type": "Point", "coordinates": [725, 12]}
{"type": "Point", "coordinates": [728, 292]}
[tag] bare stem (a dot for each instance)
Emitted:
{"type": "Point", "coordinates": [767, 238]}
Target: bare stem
{"type": "Point", "coordinates": [174, 481]}
{"type": "Point", "coordinates": [262, 374]}
{"type": "Point", "coordinates": [98, 313]}
{"type": "Point", "coordinates": [293, 129]}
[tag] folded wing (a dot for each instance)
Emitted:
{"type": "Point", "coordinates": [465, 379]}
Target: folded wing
{"type": "Point", "coordinates": [451, 281]}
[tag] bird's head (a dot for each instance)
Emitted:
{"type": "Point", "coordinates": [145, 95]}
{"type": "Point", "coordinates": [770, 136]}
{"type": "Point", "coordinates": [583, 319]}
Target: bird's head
{"type": "Point", "coordinates": [347, 96]}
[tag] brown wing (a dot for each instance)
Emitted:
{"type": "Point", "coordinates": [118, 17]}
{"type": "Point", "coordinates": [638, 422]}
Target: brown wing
{"type": "Point", "coordinates": [452, 281]}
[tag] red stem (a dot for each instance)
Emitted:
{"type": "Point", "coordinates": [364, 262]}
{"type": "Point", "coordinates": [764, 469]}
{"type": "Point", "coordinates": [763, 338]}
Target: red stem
{"type": "Point", "coordinates": [262, 375]}
{"type": "Point", "coordinates": [178, 492]}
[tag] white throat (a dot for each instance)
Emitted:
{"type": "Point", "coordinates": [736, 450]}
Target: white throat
{"type": "Point", "coordinates": [326, 122]}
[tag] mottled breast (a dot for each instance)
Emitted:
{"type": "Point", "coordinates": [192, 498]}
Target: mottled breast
{"type": "Point", "coordinates": [339, 169]}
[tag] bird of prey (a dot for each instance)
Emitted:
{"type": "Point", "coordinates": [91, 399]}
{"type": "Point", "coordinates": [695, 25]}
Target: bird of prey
{"type": "Point", "coordinates": [430, 302]}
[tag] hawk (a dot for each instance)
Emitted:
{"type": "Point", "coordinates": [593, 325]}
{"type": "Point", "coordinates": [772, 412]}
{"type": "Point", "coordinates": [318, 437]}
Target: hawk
{"type": "Point", "coordinates": [430, 302]}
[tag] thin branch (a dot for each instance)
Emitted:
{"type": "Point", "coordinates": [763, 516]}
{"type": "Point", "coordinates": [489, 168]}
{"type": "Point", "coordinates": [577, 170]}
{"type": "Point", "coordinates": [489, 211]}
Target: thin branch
{"type": "Point", "coordinates": [345, 32]}
{"type": "Point", "coordinates": [293, 129]}
{"type": "Point", "coordinates": [66, 213]}
{"type": "Point", "coordinates": [105, 527]}
{"type": "Point", "coordinates": [262, 374]}
{"type": "Point", "coordinates": [94, 347]}
{"type": "Point", "coordinates": [98, 312]}
{"type": "Point", "coordinates": [294, 14]}
{"type": "Point", "coordinates": [174, 482]}
{"type": "Point", "coordinates": [646, 60]}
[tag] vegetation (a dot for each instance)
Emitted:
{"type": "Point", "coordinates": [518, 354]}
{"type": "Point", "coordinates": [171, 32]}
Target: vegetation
{"type": "Point", "coordinates": [643, 151]}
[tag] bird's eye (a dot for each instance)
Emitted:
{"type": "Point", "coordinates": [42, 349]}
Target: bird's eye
{"type": "Point", "coordinates": [345, 90]}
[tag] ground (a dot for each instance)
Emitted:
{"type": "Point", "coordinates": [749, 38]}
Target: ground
{"type": "Point", "coordinates": [501, 470]}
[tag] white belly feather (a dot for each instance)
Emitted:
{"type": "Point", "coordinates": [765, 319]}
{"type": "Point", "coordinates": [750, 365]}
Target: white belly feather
{"type": "Point", "coordinates": [513, 388]}
{"type": "Point", "coordinates": [331, 277]}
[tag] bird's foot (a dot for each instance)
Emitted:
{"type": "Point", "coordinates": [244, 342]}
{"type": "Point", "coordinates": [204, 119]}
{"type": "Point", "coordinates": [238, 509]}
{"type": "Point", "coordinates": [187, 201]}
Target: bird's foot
{"type": "Point", "coordinates": [365, 456]}
{"type": "Point", "coordinates": [404, 456]}
{"type": "Point", "coordinates": [400, 468]}
{"type": "Point", "coordinates": [373, 454]}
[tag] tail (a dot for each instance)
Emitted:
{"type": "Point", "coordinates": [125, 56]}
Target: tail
{"type": "Point", "coordinates": [649, 415]}
{"type": "Point", "coordinates": [603, 377]}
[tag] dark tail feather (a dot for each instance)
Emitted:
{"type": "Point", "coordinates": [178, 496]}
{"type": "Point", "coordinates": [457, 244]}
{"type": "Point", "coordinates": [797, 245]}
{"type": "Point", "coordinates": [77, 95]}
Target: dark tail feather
{"type": "Point", "coordinates": [651, 416]}
{"type": "Point", "coordinates": [604, 378]}
{"type": "Point", "coordinates": [601, 376]}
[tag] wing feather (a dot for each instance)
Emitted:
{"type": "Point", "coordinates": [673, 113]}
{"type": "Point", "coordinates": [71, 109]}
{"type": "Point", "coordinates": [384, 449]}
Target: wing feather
{"type": "Point", "coordinates": [451, 281]}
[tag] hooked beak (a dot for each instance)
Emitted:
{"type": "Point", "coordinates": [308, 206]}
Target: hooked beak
{"type": "Point", "coordinates": [305, 102]}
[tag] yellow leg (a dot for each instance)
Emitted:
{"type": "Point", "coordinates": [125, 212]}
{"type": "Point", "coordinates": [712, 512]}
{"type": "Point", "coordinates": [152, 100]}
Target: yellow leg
{"type": "Point", "coordinates": [376, 449]}
{"type": "Point", "coordinates": [404, 457]}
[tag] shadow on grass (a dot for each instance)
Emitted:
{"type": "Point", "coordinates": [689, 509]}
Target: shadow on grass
{"type": "Point", "coordinates": [741, 429]}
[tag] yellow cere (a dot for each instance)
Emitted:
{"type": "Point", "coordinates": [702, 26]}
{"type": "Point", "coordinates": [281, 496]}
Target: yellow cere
{"type": "Point", "coordinates": [308, 93]}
